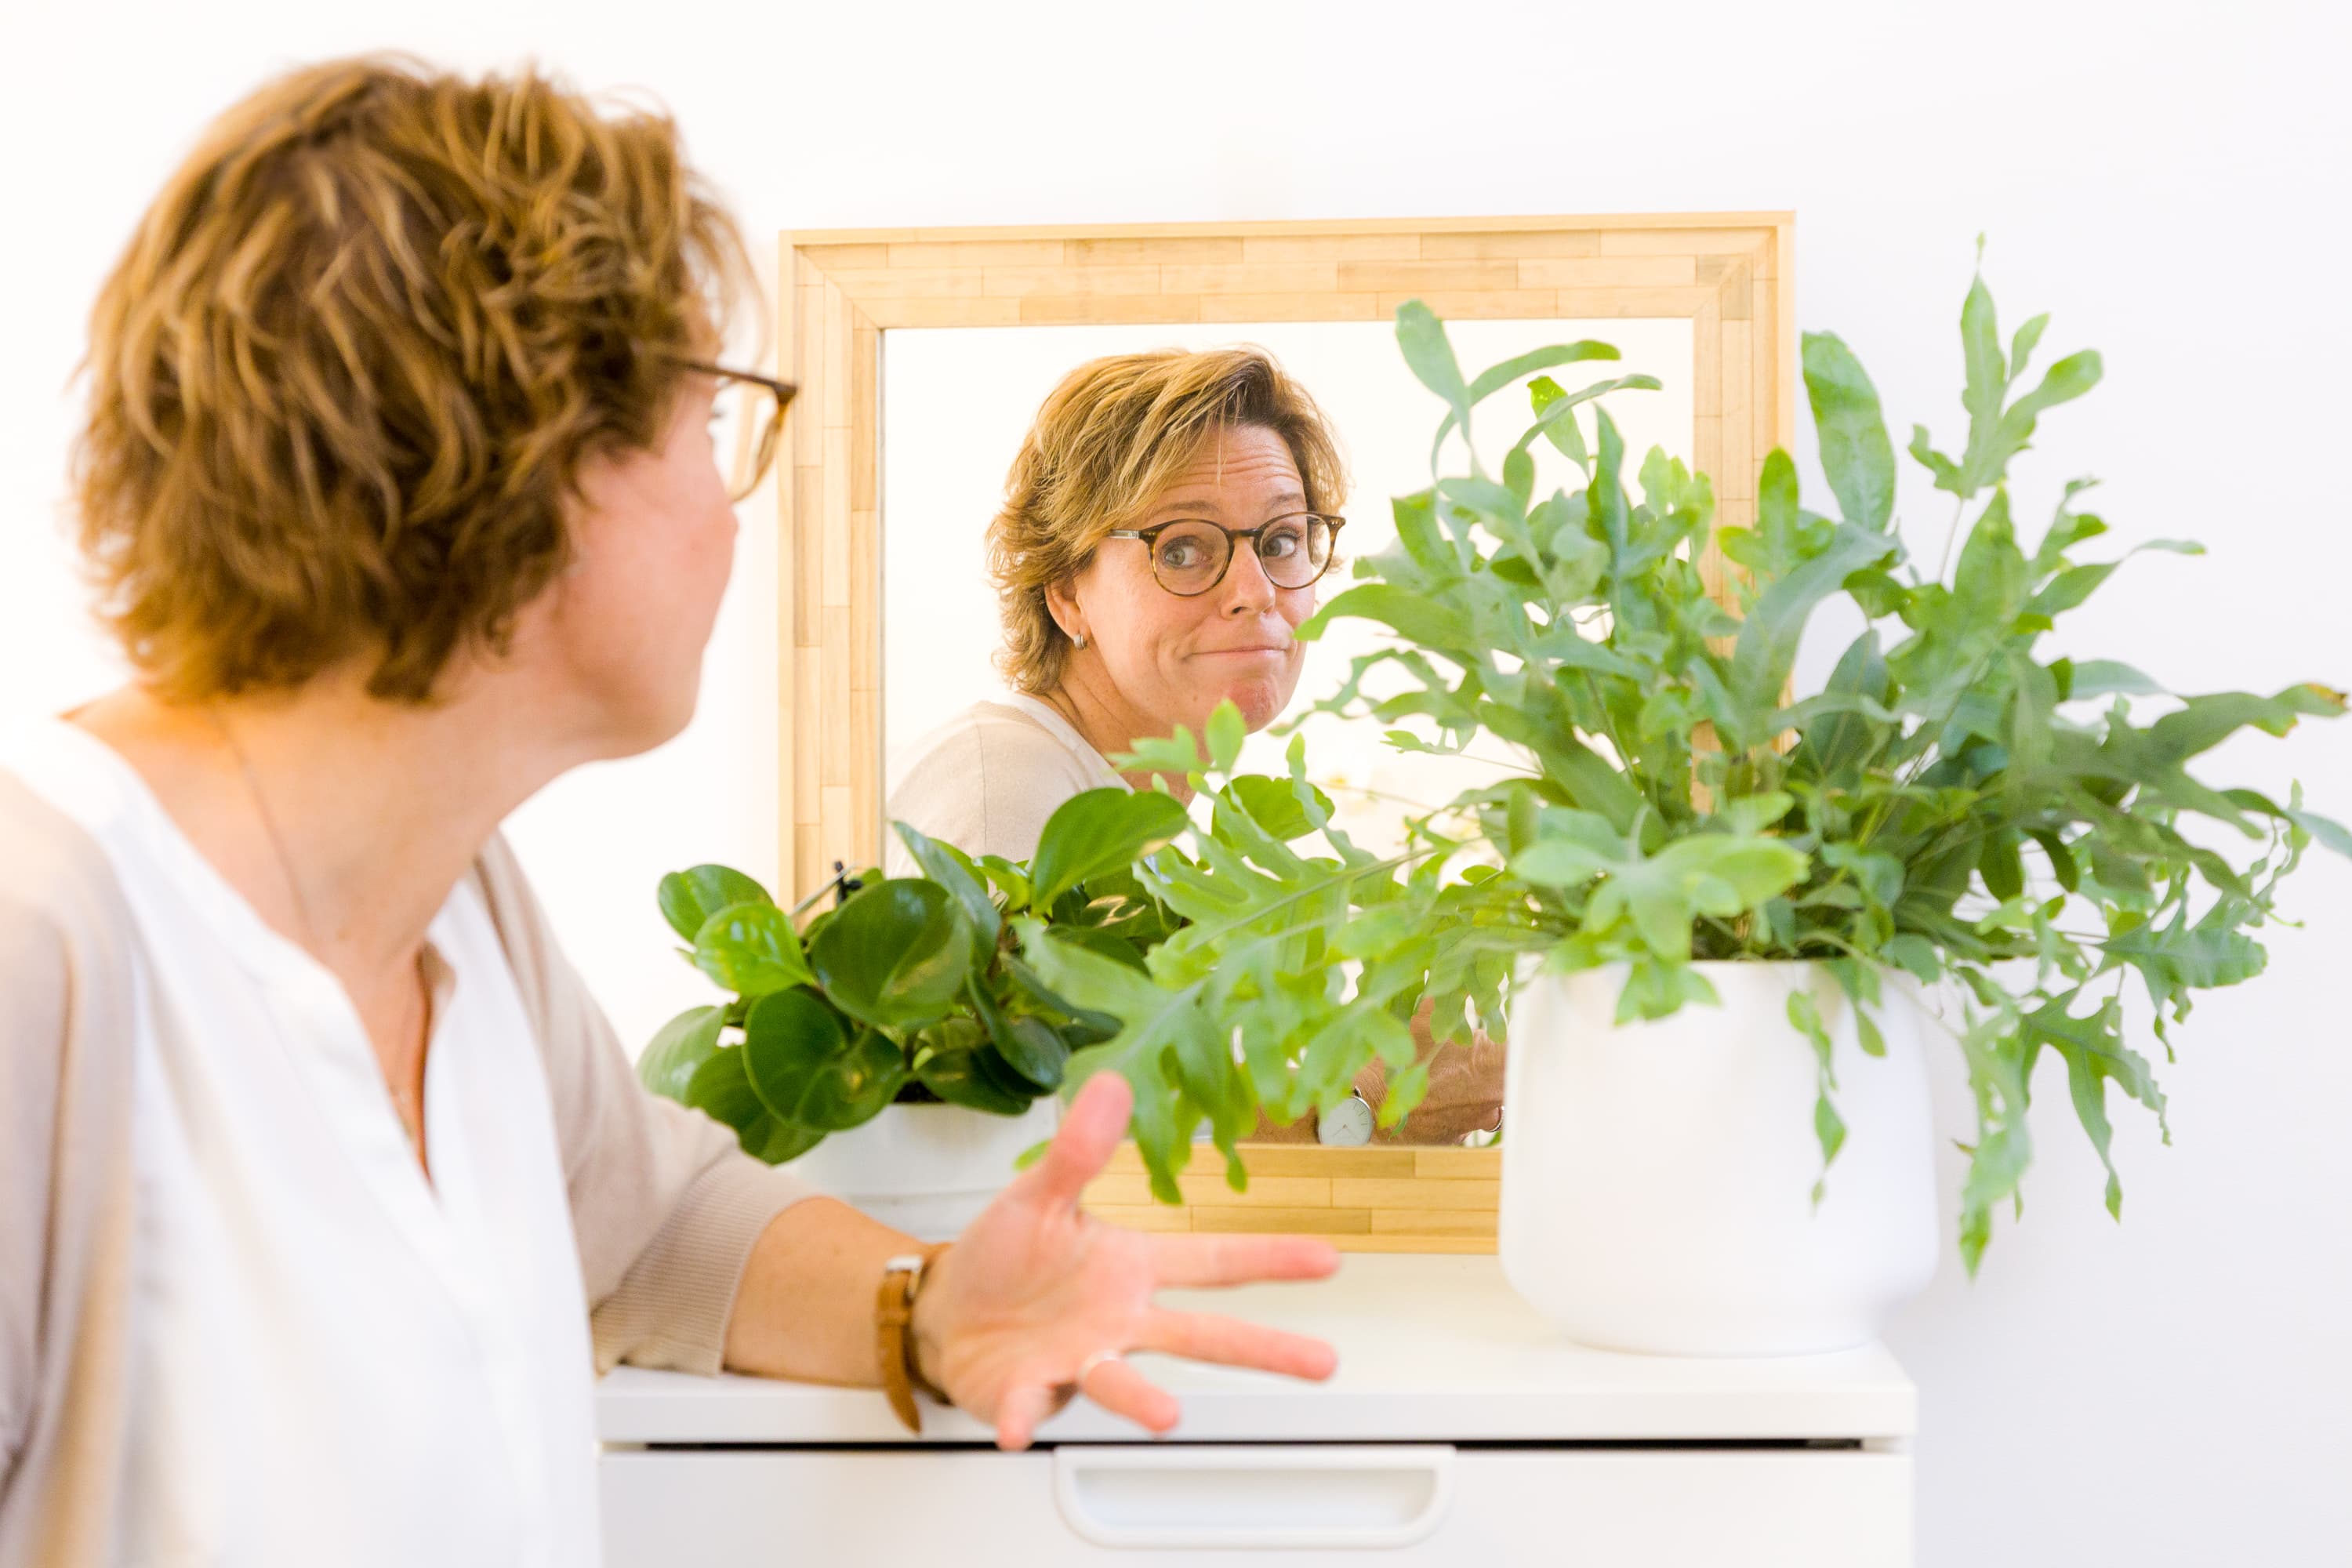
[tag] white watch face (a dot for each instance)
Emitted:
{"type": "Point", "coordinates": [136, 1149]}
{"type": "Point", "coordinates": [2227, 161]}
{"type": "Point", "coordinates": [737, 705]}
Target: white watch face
{"type": "Point", "coordinates": [1349, 1121]}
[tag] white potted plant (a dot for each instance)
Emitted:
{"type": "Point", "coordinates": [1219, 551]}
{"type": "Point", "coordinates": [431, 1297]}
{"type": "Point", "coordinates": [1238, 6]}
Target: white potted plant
{"type": "Point", "coordinates": [890, 1047]}
{"type": "Point", "coordinates": [1721, 921]}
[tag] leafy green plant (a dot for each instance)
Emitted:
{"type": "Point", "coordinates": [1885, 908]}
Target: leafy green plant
{"type": "Point", "coordinates": [1954, 802]}
{"type": "Point", "coordinates": [908, 988]}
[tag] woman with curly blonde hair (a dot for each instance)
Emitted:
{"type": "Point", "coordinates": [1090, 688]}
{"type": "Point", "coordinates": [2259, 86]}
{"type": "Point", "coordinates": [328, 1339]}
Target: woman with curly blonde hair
{"type": "Point", "coordinates": [324, 1187]}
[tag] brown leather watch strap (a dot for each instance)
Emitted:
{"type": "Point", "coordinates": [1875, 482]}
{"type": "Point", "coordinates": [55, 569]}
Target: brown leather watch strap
{"type": "Point", "coordinates": [894, 1334]}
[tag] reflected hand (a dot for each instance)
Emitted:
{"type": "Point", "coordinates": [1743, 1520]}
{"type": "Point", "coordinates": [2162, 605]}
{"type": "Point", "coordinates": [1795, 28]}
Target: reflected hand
{"type": "Point", "coordinates": [1037, 1299]}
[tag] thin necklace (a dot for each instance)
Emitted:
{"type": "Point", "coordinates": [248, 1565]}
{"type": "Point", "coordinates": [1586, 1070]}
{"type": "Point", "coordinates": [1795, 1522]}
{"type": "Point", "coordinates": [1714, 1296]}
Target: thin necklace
{"type": "Point", "coordinates": [1060, 701]}
{"type": "Point", "coordinates": [404, 1106]}
{"type": "Point", "coordinates": [269, 828]}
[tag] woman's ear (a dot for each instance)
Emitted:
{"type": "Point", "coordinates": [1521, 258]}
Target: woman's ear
{"type": "Point", "coordinates": [1063, 606]}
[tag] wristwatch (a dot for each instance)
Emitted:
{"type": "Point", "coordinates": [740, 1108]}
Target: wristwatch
{"type": "Point", "coordinates": [1346, 1124]}
{"type": "Point", "coordinates": [894, 1316]}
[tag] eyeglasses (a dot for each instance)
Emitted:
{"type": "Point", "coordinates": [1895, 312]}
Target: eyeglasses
{"type": "Point", "coordinates": [1190, 555]}
{"type": "Point", "coordinates": [748, 416]}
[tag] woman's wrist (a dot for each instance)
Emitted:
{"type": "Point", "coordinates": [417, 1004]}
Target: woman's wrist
{"type": "Point", "coordinates": [1372, 1083]}
{"type": "Point", "coordinates": [925, 1343]}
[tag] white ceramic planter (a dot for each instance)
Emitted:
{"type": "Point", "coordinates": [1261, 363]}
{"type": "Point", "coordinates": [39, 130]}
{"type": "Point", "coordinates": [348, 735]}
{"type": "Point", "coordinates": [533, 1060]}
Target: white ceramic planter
{"type": "Point", "coordinates": [1658, 1177]}
{"type": "Point", "coordinates": [927, 1169]}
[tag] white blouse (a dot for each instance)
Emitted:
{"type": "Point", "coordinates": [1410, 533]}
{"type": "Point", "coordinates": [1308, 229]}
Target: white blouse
{"type": "Point", "coordinates": [987, 780]}
{"type": "Point", "coordinates": [334, 1361]}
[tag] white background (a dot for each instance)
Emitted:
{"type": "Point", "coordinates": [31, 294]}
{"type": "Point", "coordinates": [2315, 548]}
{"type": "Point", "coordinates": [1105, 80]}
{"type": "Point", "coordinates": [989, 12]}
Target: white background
{"type": "Point", "coordinates": [2169, 180]}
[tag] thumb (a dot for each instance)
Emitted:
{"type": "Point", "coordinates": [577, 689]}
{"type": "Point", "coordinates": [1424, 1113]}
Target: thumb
{"type": "Point", "coordinates": [1090, 1130]}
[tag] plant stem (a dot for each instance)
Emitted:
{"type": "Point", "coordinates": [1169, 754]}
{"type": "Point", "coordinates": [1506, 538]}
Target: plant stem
{"type": "Point", "coordinates": [1616, 743]}
{"type": "Point", "coordinates": [1951, 534]}
{"type": "Point", "coordinates": [1218, 933]}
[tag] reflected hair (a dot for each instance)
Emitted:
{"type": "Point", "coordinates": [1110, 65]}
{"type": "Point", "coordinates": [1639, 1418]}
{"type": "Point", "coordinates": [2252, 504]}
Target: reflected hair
{"type": "Point", "coordinates": [345, 375]}
{"type": "Point", "coordinates": [1106, 442]}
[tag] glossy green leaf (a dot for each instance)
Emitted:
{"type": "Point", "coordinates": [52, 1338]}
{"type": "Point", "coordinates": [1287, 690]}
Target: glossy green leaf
{"type": "Point", "coordinates": [1557, 424]}
{"type": "Point", "coordinates": [2021, 346]}
{"type": "Point", "coordinates": [1828, 1127]}
{"type": "Point", "coordinates": [690, 897]}
{"type": "Point", "coordinates": [1769, 635]}
{"type": "Point", "coordinates": [2088, 1090]}
{"type": "Point", "coordinates": [1560, 863]}
{"type": "Point", "coordinates": [1658, 989]}
{"type": "Point", "coordinates": [1988, 382]}
{"type": "Point", "coordinates": [752, 949]}
{"type": "Point", "coordinates": [1100, 830]}
{"type": "Point", "coordinates": [1496, 378]}
{"type": "Point", "coordinates": [2104, 677]}
{"type": "Point", "coordinates": [2174, 959]}
{"type": "Point", "coordinates": [1416, 617]}
{"type": "Point", "coordinates": [1916, 955]}
{"type": "Point", "coordinates": [808, 1068]}
{"type": "Point", "coordinates": [1009, 880]}
{"type": "Point", "coordinates": [952, 868]}
{"type": "Point", "coordinates": [956, 1063]}
{"type": "Point", "coordinates": [1224, 733]}
{"type": "Point", "coordinates": [1493, 378]}
{"type": "Point", "coordinates": [1274, 804]}
{"type": "Point", "coordinates": [1878, 875]}
{"type": "Point", "coordinates": [896, 953]}
{"type": "Point", "coordinates": [678, 1049]}
{"type": "Point", "coordinates": [723, 1089]}
{"type": "Point", "coordinates": [1029, 1044]}
{"type": "Point", "coordinates": [2326, 830]}
{"type": "Point", "coordinates": [2004, 872]}
{"type": "Point", "coordinates": [1856, 451]}
{"type": "Point", "coordinates": [1430, 357]}
{"type": "Point", "coordinates": [1555, 410]}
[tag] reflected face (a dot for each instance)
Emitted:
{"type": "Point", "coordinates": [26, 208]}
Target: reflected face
{"type": "Point", "coordinates": [621, 634]}
{"type": "Point", "coordinates": [1171, 659]}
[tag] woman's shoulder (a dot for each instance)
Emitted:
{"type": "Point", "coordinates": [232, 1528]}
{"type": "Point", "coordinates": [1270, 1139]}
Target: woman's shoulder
{"type": "Point", "coordinates": [68, 987]}
{"type": "Point", "coordinates": [52, 874]}
{"type": "Point", "coordinates": [987, 780]}
{"type": "Point", "coordinates": [1006, 739]}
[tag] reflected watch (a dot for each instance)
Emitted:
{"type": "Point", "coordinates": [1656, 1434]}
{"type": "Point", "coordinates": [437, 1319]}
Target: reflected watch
{"type": "Point", "coordinates": [1346, 1124]}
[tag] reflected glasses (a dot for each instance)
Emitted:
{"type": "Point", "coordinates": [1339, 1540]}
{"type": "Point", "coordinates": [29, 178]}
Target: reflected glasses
{"type": "Point", "coordinates": [749, 416]}
{"type": "Point", "coordinates": [1190, 555]}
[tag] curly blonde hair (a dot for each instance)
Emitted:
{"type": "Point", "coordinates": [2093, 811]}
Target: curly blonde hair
{"type": "Point", "coordinates": [348, 367]}
{"type": "Point", "coordinates": [1113, 435]}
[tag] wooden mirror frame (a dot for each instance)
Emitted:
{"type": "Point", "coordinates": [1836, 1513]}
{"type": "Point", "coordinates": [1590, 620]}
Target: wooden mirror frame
{"type": "Point", "coordinates": [1727, 273]}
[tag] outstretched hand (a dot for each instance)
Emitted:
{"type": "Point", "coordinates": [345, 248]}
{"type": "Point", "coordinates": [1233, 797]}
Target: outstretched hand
{"type": "Point", "coordinates": [1037, 1299]}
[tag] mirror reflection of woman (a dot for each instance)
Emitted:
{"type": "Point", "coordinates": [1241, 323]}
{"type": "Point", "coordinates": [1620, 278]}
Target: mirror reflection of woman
{"type": "Point", "coordinates": [1165, 528]}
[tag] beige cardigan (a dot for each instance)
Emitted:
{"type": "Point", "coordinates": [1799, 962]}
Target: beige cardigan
{"type": "Point", "coordinates": [665, 1205]}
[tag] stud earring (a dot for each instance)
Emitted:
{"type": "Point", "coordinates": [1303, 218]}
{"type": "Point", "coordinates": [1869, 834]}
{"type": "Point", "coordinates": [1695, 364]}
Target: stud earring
{"type": "Point", "coordinates": [1078, 641]}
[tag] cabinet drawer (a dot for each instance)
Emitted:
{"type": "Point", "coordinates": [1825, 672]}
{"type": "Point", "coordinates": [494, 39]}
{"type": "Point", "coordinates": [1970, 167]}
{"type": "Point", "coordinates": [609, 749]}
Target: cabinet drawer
{"type": "Point", "coordinates": [1242, 1505]}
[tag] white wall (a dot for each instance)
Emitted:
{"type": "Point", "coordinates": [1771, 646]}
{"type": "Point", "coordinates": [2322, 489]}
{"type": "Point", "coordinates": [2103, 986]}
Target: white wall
{"type": "Point", "coordinates": [2167, 179]}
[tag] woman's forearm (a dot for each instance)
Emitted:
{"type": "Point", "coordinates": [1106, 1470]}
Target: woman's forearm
{"type": "Point", "coordinates": [805, 1308]}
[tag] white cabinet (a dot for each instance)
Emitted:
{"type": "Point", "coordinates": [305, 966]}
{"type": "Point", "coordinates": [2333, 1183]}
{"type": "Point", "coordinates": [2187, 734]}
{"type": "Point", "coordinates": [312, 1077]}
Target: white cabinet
{"type": "Point", "coordinates": [1458, 1430]}
{"type": "Point", "coordinates": [1240, 1506]}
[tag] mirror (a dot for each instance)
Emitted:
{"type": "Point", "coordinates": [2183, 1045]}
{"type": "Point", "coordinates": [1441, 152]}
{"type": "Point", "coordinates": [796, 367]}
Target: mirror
{"type": "Point", "coordinates": [922, 355]}
{"type": "Point", "coordinates": [956, 403]}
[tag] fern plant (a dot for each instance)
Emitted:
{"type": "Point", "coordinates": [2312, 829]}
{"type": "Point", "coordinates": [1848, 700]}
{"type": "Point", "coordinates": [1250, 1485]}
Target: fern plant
{"type": "Point", "coordinates": [1956, 801]}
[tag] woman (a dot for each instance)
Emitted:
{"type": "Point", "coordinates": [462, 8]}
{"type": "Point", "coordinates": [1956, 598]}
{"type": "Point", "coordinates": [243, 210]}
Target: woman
{"type": "Point", "coordinates": [1163, 530]}
{"type": "Point", "coordinates": [322, 1181]}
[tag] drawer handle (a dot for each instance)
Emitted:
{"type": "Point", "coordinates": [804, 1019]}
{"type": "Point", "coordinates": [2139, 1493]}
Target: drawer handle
{"type": "Point", "coordinates": [1211, 1495]}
